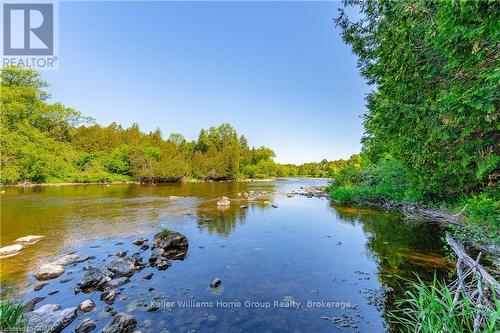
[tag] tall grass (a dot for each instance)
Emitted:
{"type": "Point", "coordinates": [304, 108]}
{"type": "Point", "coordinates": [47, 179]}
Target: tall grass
{"type": "Point", "coordinates": [12, 318]}
{"type": "Point", "coordinates": [430, 309]}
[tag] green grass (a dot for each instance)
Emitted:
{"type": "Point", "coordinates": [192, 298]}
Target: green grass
{"type": "Point", "coordinates": [430, 308]}
{"type": "Point", "coordinates": [164, 233]}
{"type": "Point", "coordinates": [12, 318]}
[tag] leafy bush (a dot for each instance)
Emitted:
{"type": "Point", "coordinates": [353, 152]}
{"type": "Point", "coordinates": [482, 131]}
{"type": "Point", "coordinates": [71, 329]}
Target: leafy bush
{"type": "Point", "coordinates": [164, 233]}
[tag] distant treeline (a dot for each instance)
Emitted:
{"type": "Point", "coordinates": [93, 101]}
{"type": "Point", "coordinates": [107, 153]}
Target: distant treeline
{"type": "Point", "coordinates": [47, 143]}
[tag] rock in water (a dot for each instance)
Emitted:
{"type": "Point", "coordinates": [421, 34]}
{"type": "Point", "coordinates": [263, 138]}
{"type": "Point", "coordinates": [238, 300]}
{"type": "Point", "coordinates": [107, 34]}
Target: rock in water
{"type": "Point", "coordinates": [139, 241]}
{"type": "Point", "coordinates": [115, 283]}
{"type": "Point", "coordinates": [49, 319]}
{"type": "Point", "coordinates": [71, 259]}
{"type": "Point", "coordinates": [223, 202]}
{"type": "Point", "coordinates": [215, 283]}
{"type": "Point", "coordinates": [123, 266]}
{"type": "Point", "coordinates": [108, 296]}
{"type": "Point", "coordinates": [31, 239]}
{"type": "Point", "coordinates": [121, 323]}
{"type": "Point", "coordinates": [86, 305]}
{"type": "Point", "coordinates": [92, 279]}
{"type": "Point", "coordinates": [10, 249]}
{"type": "Point", "coordinates": [85, 326]}
{"type": "Point", "coordinates": [30, 305]}
{"type": "Point", "coordinates": [172, 245]}
{"type": "Point", "coordinates": [48, 272]}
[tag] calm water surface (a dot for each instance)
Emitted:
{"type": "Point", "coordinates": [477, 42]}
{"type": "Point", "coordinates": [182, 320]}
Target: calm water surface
{"type": "Point", "coordinates": [305, 250]}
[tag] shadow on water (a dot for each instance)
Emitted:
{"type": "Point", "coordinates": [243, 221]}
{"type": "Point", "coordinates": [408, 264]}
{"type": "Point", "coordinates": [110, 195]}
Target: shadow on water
{"type": "Point", "coordinates": [271, 248]}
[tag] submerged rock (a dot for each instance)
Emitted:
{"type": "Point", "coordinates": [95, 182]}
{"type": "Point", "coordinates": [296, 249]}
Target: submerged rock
{"type": "Point", "coordinates": [115, 283]}
{"type": "Point", "coordinates": [223, 202]}
{"type": "Point", "coordinates": [49, 271]}
{"type": "Point", "coordinates": [10, 250]}
{"type": "Point", "coordinates": [31, 239]}
{"type": "Point", "coordinates": [30, 305]}
{"type": "Point", "coordinates": [39, 286]}
{"type": "Point", "coordinates": [85, 326]}
{"type": "Point", "coordinates": [71, 259]}
{"type": "Point", "coordinates": [121, 323]}
{"type": "Point", "coordinates": [87, 305]}
{"type": "Point", "coordinates": [49, 319]}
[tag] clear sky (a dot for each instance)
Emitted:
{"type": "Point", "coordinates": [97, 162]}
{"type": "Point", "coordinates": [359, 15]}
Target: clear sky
{"type": "Point", "coordinates": [277, 71]}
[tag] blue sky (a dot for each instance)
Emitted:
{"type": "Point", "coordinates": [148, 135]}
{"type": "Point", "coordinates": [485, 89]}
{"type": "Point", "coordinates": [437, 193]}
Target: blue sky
{"type": "Point", "coordinates": [277, 71]}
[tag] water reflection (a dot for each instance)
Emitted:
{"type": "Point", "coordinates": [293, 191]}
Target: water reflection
{"type": "Point", "coordinates": [304, 249]}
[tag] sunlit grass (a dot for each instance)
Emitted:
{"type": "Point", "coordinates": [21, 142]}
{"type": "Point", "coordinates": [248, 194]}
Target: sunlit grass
{"type": "Point", "coordinates": [12, 318]}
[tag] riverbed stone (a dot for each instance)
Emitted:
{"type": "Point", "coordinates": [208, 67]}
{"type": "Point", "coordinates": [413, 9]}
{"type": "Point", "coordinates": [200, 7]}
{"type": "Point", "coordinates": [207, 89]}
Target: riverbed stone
{"type": "Point", "coordinates": [49, 271]}
{"type": "Point", "coordinates": [86, 325]}
{"type": "Point", "coordinates": [215, 283]}
{"type": "Point", "coordinates": [72, 259]}
{"type": "Point", "coordinates": [223, 202]}
{"type": "Point", "coordinates": [87, 305]}
{"type": "Point", "coordinates": [121, 323]}
{"type": "Point", "coordinates": [109, 296]}
{"type": "Point", "coordinates": [139, 241]}
{"type": "Point", "coordinates": [39, 286]}
{"type": "Point", "coordinates": [92, 279]}
{"type": "Point", "coordinates": [30, 239]}
{"type": "Point", "coordinates": [10, 249]}
{"type": "Point", "coordinates": [30, 305]}
{"type": "Point", "coordinates": [125, 266]}
{"type": "Point", "coordinates": [49, 318]}
{"type": "Point", "coordinates": [115, 283]}
{"type": "Point", "coordinates": [172, 245]}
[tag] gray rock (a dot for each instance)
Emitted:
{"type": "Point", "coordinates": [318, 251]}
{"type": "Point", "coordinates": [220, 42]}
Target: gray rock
{"type": "Point", "coordinates": [121, 323]}
{"type": "Point", "coordinates": [215, 283]}
{"type": "Point", "coordinates": [31, 239]}
{"type": "Point", "coordinates": [121, 254]}
{"type": "Point", "coordinates": [172, 245]}
{"type": "Point", "coordinates": [30, 305]}
{"type": "Point", "coordinates": [49, 271]}
{"type": "Point", "coordinates": [85, 326]}
{"type": "Point", "coordinates": [10, 250]}
{"type": "Point", "coordinates": [92, 279]}
{"type": "Point", "coordinates": [49, 319]}
{"type": "Point", "coordinates": [86, 306]}
{"type": "Point", "coordinates": [144, 246]}
{"type": "Point", "coordinates": [139, 241]}
{"type": "Point", "coordinates": [71, 259]}
{"type": "Point", "coordinates": [115, 283]}
{"type": "Point", "coordinates": [148, 277]}
{"type": "Point", "coordinates": [123, 266]}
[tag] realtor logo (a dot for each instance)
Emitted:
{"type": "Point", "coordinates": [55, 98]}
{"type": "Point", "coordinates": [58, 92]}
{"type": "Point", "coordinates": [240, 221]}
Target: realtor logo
{"type": "Point", "coordinates": [29, 34]}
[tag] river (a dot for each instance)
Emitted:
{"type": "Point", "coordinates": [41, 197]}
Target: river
{"type": "Point", "coordinates": [287, 262]}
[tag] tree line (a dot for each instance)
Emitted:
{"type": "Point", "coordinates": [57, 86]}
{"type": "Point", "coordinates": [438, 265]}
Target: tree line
{"type": "Point", "coordinates": [46, 143]}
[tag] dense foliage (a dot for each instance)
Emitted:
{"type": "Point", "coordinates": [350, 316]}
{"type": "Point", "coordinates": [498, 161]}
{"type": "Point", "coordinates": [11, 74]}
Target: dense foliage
{"type": "Point", "coordinates": [436, 72]}
{"type": "Point", "coordinates": [42, 142]}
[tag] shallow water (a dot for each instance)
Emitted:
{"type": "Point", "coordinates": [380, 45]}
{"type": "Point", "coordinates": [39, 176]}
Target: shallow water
{"type": "Point", "coordinates": [273, 262]}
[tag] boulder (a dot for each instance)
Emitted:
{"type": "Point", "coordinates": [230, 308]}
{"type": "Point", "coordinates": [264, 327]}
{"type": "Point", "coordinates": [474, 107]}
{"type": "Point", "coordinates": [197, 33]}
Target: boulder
{"type": "Point", "coordinates": [223, 202]}
{"type": "Point", "coordinates": [172, 245]}
{"type": "Point", "coordinates": [121, 323]}
{"type": "Point", "coordinates": [31, 239]}
{"type": "Point", "coordinates": [125, 266]}
{"type": "Point", "coordinates": [10, 250]}
{"type": "Point", "coordinates": [92, 279]}
{"type": "Point", "coordinates": [87, 305]}
{"type": "Point", "coordinates": [49, 319]}
{"type": "Point", "coordinates": [49, 271]}
{"type": "Point", "coordinates": [85, 326]}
